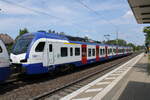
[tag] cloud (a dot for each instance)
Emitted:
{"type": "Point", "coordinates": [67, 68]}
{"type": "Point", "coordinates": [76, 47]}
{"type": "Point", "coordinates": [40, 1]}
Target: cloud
{"type": "Point", "coordinates": [107, 6]}
{"type": "Point", "coordinates": [126, 18]}
{"type": "Point", "coordinates": [61, 10]}
{"type": "Point", "coordinates": [10, 9]}
{"type": "Point", "coordinates": [74, 18]}
{"type": "Point", "coordinates": [128, 14]}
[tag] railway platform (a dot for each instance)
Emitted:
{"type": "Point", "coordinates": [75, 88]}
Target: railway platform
{"type": "Point", "coordinates": [130, 81]}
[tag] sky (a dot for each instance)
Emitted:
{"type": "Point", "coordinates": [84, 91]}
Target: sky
{"type": "Point", "coordinates": [73, 18]}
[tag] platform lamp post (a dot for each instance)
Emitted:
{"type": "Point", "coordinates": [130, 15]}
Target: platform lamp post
{"type": "Point", "coordinates": [117, 37]}
{"type": "Point", "coordinates": [117, 42]}
{"type": "Point", "coordinates": [107, 36]}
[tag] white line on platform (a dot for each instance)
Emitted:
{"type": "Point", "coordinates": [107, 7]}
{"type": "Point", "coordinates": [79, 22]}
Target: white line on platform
{"type": "Point", "coordinates": [119, 71]}
{"type": "Point", "coordinates": [88, 98]}
{"type": "Point", "coordinates": [93, 90]}
{"type": "Point", "coordinates": [103, 83]}
{"type": "Point", "coordinates": [114, 74]}
{"type": "Point", "coordinates": [122, 69]}
{"type": "Point", "coordinates": [106, 90]}
{"type": "Point", "coordinates": [110, 86]}
{"type": "Point", "coordinates": [110, 78]}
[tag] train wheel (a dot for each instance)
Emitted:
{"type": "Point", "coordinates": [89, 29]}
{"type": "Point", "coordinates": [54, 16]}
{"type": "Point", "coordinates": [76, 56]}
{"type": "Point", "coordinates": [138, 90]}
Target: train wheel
{"type": "Point", "coordinates": [67, 68]}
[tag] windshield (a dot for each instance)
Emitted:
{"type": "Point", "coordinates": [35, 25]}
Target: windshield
{"type": "Point", "coordinates": [21, 45]}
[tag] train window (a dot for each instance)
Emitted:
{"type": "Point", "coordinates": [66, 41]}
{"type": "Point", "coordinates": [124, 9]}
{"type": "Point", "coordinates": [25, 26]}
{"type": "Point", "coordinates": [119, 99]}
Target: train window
{"type": "Point", "coordinates": [89, 52]}
{"type": "Point", "coordinates": [110, 50]}
{"type": "Point", "coordinates": [71, 51]}
{"type": "Point", "coordinates": [40, 47]}
{"type": "Point", "coordinates": [93, 52]}
{"type": "Point", "coordinates": [114, 50]}
{"type": "Point", "coordinates": [64, 51]}
{"type": "Point", "coordinates": [101, 51]}
{"type": "Point", "coordinates": [77, 51]}
{"type": "Point", "coordinates": [1, 50]}
{"type": "Point", "coordinates": [50, 48]}
{"type": "Point", "coordinates": [119, 50]}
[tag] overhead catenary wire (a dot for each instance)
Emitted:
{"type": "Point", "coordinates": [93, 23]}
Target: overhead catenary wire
{"type": "Point", "coordinates": [96, 13]}
{"type": "Point", "coordinates": [37, 11]}
{"type": "Point", "coordinates": [31, 9]}
{"type": "Point", "coordinates": [41, 12]}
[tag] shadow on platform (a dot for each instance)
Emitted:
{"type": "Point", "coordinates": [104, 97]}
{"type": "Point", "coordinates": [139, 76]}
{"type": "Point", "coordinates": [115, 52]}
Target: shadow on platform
{"type": "Point", "coordinates": [136, 91]}
{"type": "Point", "coordinates": [138, 88]}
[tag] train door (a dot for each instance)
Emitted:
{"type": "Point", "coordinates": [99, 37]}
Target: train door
{"type": "Point", "coordinates": [97, 53]}
{"type": "Point", "coordinates": [117, 51]}
{"type": "Point", "coordinates": [106, 51]}
{"type": "Point", "coordinates": [50, 54]}
{"type": "Point", "coordinates": [84, 54]}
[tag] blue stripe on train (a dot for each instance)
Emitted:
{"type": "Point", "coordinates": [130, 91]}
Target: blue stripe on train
{"type": "Point", "coordinates": [4, 73]}
{"type": "Point", "coordinates": [39, 69]}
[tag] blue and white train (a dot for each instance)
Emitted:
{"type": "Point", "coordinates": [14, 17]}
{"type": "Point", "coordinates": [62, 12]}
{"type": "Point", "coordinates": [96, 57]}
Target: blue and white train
{"type": "Point", "coordinates": [5, 70]}
{"type": "Point", "coordinates": [41, 52]}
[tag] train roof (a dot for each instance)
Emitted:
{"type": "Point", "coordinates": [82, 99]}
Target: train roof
{"type": "Point", "coordinates": [46, 35]}
{"type": "Point", "coordinates": [38, 35]}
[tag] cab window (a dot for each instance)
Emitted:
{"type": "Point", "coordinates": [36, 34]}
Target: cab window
{"type": "Point", "coordinates": [40, 47]}
{"type": "Point", "coordinates": [1, 50]}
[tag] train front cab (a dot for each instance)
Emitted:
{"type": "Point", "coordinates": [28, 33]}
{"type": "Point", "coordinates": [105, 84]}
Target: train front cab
{"type": "Point", "coordinates": [4, 63]}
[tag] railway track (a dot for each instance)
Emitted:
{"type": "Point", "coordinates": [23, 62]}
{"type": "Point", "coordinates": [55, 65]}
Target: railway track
{"type": "Point", "coordinates": [60, 92]}
{"type": "Point", "coordinates": [55, 87]}
{"type": "Point", "coordinates": [13, 78]}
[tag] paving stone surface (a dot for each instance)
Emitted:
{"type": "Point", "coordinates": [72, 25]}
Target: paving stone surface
{"type": "Point", "coordinates": [138, 87]}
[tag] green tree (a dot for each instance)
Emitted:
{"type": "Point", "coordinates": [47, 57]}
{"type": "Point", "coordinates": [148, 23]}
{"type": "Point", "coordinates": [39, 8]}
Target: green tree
{"type": "Point", "coordinates": [62, 33]}
{"type": "Point", "coordinates": [53, 31]}
{"type": "Point", "coordinates": [132, 45]}
{"type": "Point", "coordinates": [21, 32]}
{"type": "Point", "coordinates": [114, 42]}
{"type": "Point", "coordinates": [146, 30]}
